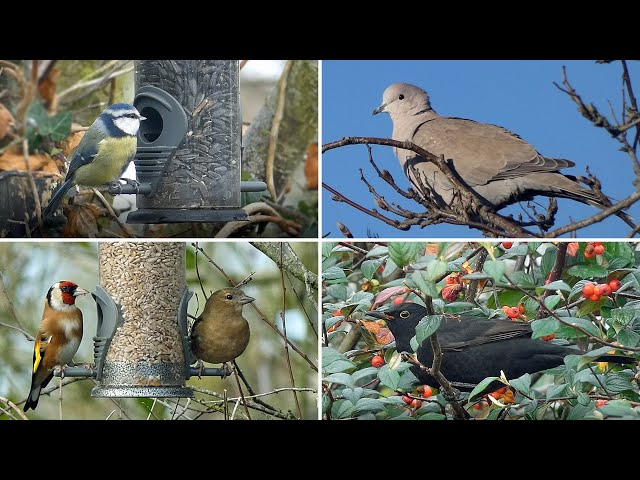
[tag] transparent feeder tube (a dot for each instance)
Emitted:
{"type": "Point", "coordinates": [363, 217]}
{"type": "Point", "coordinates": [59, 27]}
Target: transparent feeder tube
{"type": "Point", "coordinates": [146, 281]}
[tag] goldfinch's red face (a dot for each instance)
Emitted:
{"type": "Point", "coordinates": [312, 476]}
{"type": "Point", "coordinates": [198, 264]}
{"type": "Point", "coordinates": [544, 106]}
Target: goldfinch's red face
{"type": "Point", "coordinates": [63, 294]}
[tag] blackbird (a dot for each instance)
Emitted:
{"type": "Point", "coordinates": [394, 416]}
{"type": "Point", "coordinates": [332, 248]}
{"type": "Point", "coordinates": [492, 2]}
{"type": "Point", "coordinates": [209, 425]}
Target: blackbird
{"type": "Point", "coordinates": [221, 333]}
{"type": "Point", "coordinates": [475, 348]}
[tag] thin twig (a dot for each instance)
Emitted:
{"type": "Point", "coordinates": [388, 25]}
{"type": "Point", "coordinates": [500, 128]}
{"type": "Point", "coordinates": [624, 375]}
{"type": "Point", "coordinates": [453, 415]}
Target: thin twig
{"type": "Point", "coordinates": [275, 129]}
{"type": "Point", "coordinates": [284, 331]}
{"type": "Point", "coordinates": [112, 214]}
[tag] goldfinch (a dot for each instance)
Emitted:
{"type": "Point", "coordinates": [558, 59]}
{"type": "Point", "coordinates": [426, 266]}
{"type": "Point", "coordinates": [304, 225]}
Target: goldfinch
{"type": "Point", "coordinates": [58, 338]}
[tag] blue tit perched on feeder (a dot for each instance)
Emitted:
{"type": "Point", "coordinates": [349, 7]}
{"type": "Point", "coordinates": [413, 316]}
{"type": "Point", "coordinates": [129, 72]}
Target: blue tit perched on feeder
{"type": "Point", "coordinates": [103, 153]}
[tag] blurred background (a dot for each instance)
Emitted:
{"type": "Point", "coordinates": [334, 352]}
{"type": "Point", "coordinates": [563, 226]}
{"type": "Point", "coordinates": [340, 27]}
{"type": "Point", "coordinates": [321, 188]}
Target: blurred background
{"type": "Point", "coordinates": [28, 269]}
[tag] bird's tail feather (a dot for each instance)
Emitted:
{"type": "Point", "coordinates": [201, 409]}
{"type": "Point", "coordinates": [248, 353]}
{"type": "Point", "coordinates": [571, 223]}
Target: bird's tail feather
{"type": "Point", "coordinates": [32, 400]}
{"type": "Point", "coordinates": [620, 359]}
{"type": "Point", "coordinates": [56, 198]}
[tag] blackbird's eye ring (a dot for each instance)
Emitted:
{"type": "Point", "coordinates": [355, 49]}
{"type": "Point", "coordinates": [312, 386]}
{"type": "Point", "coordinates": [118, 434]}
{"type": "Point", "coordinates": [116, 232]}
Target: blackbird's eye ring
{"type": "Point", "coordinates": [229, 297]}
{"type": "Point", "coordinates": [404, 314]}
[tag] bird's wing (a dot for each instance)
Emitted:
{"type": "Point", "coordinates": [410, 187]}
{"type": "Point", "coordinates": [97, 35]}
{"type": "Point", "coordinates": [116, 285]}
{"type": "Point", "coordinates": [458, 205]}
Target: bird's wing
{"type": "Point", "coordinates": [84, 153]}
{"type": "Point", "coordinates": [482, 152]}
{"type": "Point", "coordinates": [481, 332]}
{"type": "Point", "coordinates": [39, 350]}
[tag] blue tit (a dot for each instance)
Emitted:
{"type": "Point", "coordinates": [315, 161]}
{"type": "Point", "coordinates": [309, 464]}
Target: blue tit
{"type": "Point", "coordinates": [103, 153]}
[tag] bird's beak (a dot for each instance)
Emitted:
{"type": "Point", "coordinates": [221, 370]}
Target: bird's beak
{"type": "Point", "coordinates": [246, 299]}
{"type": "Point", "coordinates": [80, 291]}
{"type": "Point", "coordinates": [380, 109]}
{"type": "Point", "coordinates": [141, 118]}
{"type": "Point", "coordinates": [380, 315]}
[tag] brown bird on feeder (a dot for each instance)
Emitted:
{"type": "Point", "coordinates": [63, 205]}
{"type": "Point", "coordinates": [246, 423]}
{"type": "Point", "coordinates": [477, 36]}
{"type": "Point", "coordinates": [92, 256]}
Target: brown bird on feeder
{"type": "Point", "coordinates": [221, 333]}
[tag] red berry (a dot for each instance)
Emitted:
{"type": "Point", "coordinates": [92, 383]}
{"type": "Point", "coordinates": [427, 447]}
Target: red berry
{"type": "Point", "coordinates": [427, 391]}
{"type": "Point", "coordinates": [505, 309]}
{"type": "Point", "coordinates": [480, 405]}
{"type": "Point", "coordinates": [589, 255]}
{"type": "Point", "coordinates": [598, 290]}
{"type": "Point", "coordinates": [507, 245]}
{"type": "Point", "coordinates": [514, 312]}
{"type": "Point", "coordinates": [594, 297]}
{"type": "Point", "coordinates": [588, 290]}
{"type": "Point", "coordinates": [407, 399]}
{"type": "Point", "coordinates": [377, 361]}
{"type": "Point", "coordinates": [380, 269]}
{"type": "Point", "coordinates": [596, 243]}
{"type": "Point", "coordinates": [598, 249]}
{"type": "Point", "coordinates": [416, 403]}
{"type": "Point", "coordinates": [606, 289]}
{"type": "Point", "coordinates": [337, 313]}
{"type": "Point", "coordinates": [600, 403]}
{"type": "Point", "coordinates": [615, 284]}
{"type": "Point", "coordinates": [549, 337]}
{"type": "Point", "coordinates": [521, 309]}
{"type": "Point", "coordinates": [398, 300]}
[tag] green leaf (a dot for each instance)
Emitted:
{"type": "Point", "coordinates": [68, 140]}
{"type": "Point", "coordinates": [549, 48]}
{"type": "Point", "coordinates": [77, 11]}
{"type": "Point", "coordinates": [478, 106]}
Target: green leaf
{"type": "Point", "coordinates": [377, 251]}
{"type": "Point", "coordinates": [414, 343]}
{"type": "Point", "coordinates": [516, 251]}
{"type": "Point", "coordinates": [523, 279]}
{"type": "Point", "coordinates": [432, 416]}
{"type": "Point", "coordinates": [617, 382]}
{"type": "Point", "coordinates": [327, 249]}
{"type": "Point", "coordinates": [548, 260]}
{"type": "Point", "coordinates": [616, 408]}
{"type": "Point", "coordinates": [341, 378]}
{"type": "Point", "coordinates": [330, 355]}
{"type": "Point", "coordinates": [368, 405]}
{"type": "Point", "coordinates": [364, 373]}
{"type": "Point", "coordinates": [37, 114]}
{"type": "Point", "coordinates": [522, 384]}
{"type": "Point", "coordinates": [388, 377]}
{"type": "Point", "coordinates": [361, 298]}
{"type": "Point", "coordinates": [481, 386]}
{"type": "Point", "coordinates": [552, 301]}
{"type": "Point", "coordinates": [580, 411]}
{"type": "Point", "coordinates": [589, 270]}
{"type": "Point", "coordinates": [506, 296]}
{"type": "Point", "coordinates": [334, 275]}
{"type": "Point", "coordinates": [583, 323]}
{"type": "Point", "coordinates": [623, 315]}
{"type": "Point", "coordinates": [389, 267]}
{"type": "Point", "coordinates": [495, 268]}
{"type": "Point", "coordinates": [58, 127]}
{"type": "Point", "coordinates": [338, 292]}
{"type": "Point", "coordinates": [628, 338]}
{"type": "Point", "coordinates": [339, 366]}
{"type": "Point", "coordinates": [619, 255]}
{"type": "Point", "coordinates": [403, 253]}
{"type": "Point", "coordinates": [342, 409]}
{"type": "Point", "coordinates": [583, 398]}
{"type": "Point", "coordinates": [435, 270]}
{"type": "Point", "coordinates": [427, 326]}
{"type": "Point", "coordinates": [370, 267]}
{"type": "Point", "coordinates": [557, 285]}
{"type": "Point", "coordinates": [544, 327]}
{"type": "Point", "coordinates": [407, 381]}
{"type": "Point", "coordinates": [588, 306]}
{"type": "Point", "coordinates": [425, 286]}
{"type": "Point", "coordinates": [556, 391]}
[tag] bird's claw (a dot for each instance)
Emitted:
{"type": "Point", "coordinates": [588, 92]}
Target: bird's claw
{"type": "Point", "coordinates": [227, 370]}
{"type": "Point", "coordinates": [134, 183]}
{"type": "Point", "coordinates": [116, 186]}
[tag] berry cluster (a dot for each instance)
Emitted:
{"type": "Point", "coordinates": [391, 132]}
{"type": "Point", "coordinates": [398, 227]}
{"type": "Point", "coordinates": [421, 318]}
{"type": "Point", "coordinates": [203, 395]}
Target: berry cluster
{"type": "Point", "coordinates": [453, 287]}
{"type": "Point", "coordinates": [594, 291]}
{"type": "Point", "coordinates": [514, 313]}
{"type": "Point", "coordinates": [593, 248]}
{"type": "Point", "coordinates": [424, 391]}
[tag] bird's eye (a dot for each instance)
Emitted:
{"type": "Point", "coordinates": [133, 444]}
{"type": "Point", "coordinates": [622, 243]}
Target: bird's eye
{"type": "Point", "coordinates": [229, 297]}
{"type": "Point", "coordinates": [404, 314]}
{"type": "Point", "coordinates": [401, 97]}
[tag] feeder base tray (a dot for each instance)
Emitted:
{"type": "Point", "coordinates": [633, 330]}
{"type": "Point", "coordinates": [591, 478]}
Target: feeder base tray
{"type": "Point", "coordinates": [124, 391]}
{"type": "Point", "coordinates": [186, 215]}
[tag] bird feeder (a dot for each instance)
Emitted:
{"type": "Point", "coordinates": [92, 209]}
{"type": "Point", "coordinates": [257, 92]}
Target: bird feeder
{"type": "Point", "coordinates": [141, 346]}
{"type": "Point", "coordinates": [188, 160]}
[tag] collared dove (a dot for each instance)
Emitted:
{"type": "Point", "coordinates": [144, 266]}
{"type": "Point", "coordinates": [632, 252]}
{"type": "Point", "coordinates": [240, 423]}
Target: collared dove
{"type": "Point", "coordinates": [497, 164]}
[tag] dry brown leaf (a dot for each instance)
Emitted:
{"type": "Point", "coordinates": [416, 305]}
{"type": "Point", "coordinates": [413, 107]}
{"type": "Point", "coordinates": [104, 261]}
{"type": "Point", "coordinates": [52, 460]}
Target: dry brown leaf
{"type": "Point", "coordinates": [10, 161]}
{"type": "Point", "coordinates": [382, 334]}
{"type": "Point", "coordinates": [431, 249]}
{"type": "Point", "coordinates": [6, 121]}
{"type": "Point", "coordinates": [71, 143]}
{"type": "Point", "coordinates": [311, 167]}
{"type": "Point", "coordinates": [82, 220]}
{"type": "Point", "coordinates": [47, 89]}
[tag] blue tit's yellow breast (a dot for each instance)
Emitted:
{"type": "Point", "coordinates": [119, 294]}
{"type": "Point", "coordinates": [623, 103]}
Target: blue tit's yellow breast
{"type": "Point", "coordinates": [113, 154]}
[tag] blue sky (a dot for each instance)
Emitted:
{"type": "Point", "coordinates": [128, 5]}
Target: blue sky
{"type": "Point", "coordinates": [518, 95]}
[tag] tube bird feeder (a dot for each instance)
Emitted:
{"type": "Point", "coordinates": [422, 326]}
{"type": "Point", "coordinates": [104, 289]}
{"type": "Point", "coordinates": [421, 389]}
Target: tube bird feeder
{"type": "Point", "coordinates": [188, 160]}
